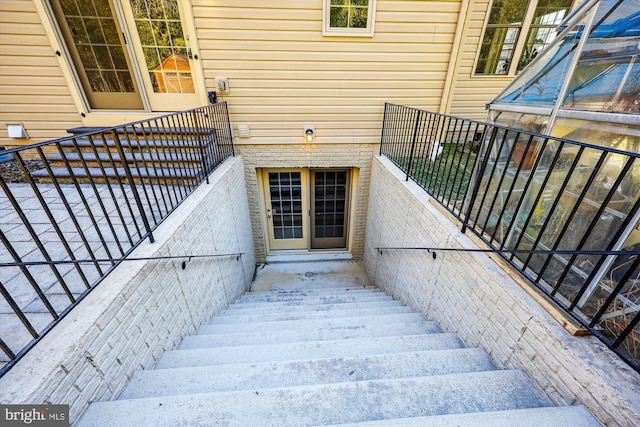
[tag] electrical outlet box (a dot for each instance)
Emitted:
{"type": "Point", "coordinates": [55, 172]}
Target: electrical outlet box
{"type": "Point", "coordinates": [222, 85]}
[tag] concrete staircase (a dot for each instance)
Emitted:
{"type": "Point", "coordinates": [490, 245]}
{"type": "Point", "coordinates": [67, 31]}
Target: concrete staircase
{"type": "Point", "coordinates": [322, 349]}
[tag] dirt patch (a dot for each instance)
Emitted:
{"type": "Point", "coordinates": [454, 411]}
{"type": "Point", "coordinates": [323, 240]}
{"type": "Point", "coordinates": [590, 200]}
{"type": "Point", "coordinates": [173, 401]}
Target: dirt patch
{"type": "Point", "coordinates": [11, 172]}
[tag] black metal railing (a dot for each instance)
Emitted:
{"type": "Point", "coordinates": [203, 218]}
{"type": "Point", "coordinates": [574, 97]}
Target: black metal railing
{"type": "Point", "coordinates": [565, 214]}
{"type": "Point", "coordinates": [91, 197]}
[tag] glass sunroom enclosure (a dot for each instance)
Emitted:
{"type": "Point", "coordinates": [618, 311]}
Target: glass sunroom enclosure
{"type": "Point", "coordinates": [584, 87]}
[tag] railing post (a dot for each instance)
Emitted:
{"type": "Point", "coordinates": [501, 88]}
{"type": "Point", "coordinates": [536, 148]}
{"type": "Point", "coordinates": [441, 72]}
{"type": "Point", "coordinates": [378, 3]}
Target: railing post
{"type": "Point", "coordinates": [226, 111]}
{"type": "Point", "coordinates": [134, 190]}
{"type": "Point", "coordinates": [384, 126]}
{"type": "Point", "coordinates": [413, 143]}
{"type": "Point", "coordinates": [201, 145]}
{"type": "Point", "coordinates": [481, 166]}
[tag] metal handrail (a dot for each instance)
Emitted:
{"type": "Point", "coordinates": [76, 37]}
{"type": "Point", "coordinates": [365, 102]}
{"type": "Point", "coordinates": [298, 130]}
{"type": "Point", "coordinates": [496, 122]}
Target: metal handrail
{"type": "Point", "coordinates": [112, 260]}
{"type": "Point", "coordinates": [433, 249]}
{"type": "Point", "coordinates": [98, 196]}
{"type": "Point", "coordinates": [515, 190]}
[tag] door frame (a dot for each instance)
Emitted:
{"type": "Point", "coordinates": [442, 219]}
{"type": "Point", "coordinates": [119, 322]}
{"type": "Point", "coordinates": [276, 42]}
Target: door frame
{"type": "Point", "coordinates": [316, 241]}
{"type": "Point", "coordinates": [132, 100]}
{"type": "Point", "coordinates": [263, 187]}
{"type": "Point", "coordinates": [267, 209]}
{"type": "Point", "coordinates": [105, 117]}
{"type": "Point", "coordinates": [159, 101]}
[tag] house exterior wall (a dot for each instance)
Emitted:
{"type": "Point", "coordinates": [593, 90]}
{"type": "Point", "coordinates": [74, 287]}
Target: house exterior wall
{"type": "Point", "coordinates": [283, 73]}
{"type": "Point", "coordinates": [471, 295]}
{"type": "Point", "coordinates": [144, 307]}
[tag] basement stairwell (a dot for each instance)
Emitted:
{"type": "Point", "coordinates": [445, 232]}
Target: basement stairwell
{"type": "Point", "coordinates": [313, 344]}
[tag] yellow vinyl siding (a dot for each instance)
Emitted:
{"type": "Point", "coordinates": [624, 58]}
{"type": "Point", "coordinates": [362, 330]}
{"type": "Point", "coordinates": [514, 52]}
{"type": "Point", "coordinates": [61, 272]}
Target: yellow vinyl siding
{"type": "Point", "coordinates": [283, 73]}
{"type": "Point", "coordinates": [33, 90]}
{"type": "Point", "coordinates": [471, 93]}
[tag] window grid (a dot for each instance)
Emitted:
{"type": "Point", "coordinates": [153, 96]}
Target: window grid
{"type": "Point", "coordinates": [349, 17]}
{"type": "Point", "coordinates": [163, 43]}
{"type": "Point", "coordinates": [96, 36]}
{"type": "Point", "coordinates": [286, 204]}
{"type": "Point", "coordinates": [516, 32]}
{"type": "Point", "coordinates": [330, 199]}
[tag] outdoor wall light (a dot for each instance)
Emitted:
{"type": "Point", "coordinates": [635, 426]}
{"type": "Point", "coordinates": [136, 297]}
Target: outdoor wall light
{"type": "Point", "coordinates": [309, 133]}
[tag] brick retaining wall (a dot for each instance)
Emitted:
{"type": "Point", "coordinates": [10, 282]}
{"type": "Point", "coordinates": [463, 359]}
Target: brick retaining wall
{"type": "Point", "coordinates": [144, 308]}
{"type": "Point", "coordinates": [469, 294]}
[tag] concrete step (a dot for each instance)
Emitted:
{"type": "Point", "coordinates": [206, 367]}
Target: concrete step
{"type": "Point", "coordinates": [299, 282]}
{"type": "Point", "coordinates": [299, 306]}
{"type": "Point", "coordinates": [310, 324]}
{"type": "Point", "coordinates": [333, 298]}
{"type": "Point", "coordinates": [293, 335]}
{"type": "Point", "coordinates": [327, 403]}
{"type": "Point", "coordinates": [254, 376]}
{"type": "Point", "coordinates": [559, 416]}
{"type": "Point", "coordinates": [356, 347]}
{"type": "Point", "coordinates": [239, 318]}
{"type": "Point", "coordinates": [279, 300]}
{"type": "Point", "coordinates": [306, 287]}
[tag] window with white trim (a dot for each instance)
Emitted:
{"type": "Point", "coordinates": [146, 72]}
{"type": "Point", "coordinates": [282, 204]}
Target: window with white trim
{"type": "Point", "coordinates": [516, 32]}
{"type": "Point", "coordinates": [349, 17]}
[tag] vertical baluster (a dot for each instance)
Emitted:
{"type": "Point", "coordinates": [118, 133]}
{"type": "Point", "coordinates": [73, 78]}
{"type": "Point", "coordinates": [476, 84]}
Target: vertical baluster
{"type": "Point", "coordinates": [134, 189]}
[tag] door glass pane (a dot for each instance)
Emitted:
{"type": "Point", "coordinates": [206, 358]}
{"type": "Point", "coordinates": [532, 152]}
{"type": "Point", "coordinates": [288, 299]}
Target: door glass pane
{"type": "Point", "coordinates": [330, 191]}
{"type": "Point", "coordinates": [286, 204]}
{"type": "Point", "coordinates": [160, 30]}
{"type": "Point", "coordinates": [93, 40]}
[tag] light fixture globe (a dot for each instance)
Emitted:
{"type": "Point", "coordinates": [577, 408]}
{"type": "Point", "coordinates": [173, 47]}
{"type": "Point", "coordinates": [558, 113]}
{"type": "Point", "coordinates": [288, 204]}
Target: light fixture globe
{"type": "Point", "coordinates": [309, 133]}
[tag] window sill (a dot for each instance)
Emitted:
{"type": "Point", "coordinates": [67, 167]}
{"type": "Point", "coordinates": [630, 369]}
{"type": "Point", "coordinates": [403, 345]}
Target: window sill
{"type": "Point", "coordinates": [347, 33]}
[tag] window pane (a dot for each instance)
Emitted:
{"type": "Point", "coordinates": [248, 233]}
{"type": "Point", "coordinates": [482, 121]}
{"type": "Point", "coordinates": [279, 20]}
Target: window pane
{"type": "Point", "coordinates": [87, 56]}
{"type": "Point", "coordinates": [359, 18]}
{"type": "Point", "coordinates": [103, 56]}
{"type": "Point", "coordinates": [503, 30]}
{"type": "Point", "coordinates": [607, 77]}
{"type": "Point", "coordinates": [77, 30]}
{"type": "Point", "coordinates": [497, 50]}
{"type": "Point", "coordinates": [508, 12]}
{"type": "Point", "coordinates": [339, 17]}
{"type": "Point", "coordinates": [551, 12]}
{"type": "Point", "coordinates": [277, 233]}
{"type": "Point", "coordinates": [348, 13]}
{"type": "Point", "coordinates": [547, 16]}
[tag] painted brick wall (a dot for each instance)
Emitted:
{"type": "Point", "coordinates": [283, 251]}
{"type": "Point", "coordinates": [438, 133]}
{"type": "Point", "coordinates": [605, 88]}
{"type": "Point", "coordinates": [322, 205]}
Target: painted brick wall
{"type": "Point", "coordinates": [307, 156]}
{"type": "Point", "coordinates": [469, 294]}
{"type": "Point", "coordinates": [144, 308]}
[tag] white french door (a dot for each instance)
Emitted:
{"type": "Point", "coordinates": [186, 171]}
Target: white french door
{"type": "Point", "coordinates": [306, 209]}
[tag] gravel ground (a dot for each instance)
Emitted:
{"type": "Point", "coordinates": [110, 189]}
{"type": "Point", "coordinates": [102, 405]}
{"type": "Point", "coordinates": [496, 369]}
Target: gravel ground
{"type": "Point", "coordinates": [11, 172]}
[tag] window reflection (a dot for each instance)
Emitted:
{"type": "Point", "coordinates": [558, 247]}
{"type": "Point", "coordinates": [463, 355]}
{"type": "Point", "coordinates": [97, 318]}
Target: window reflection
{"type": "Point", "coordinates": [160, 31]}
